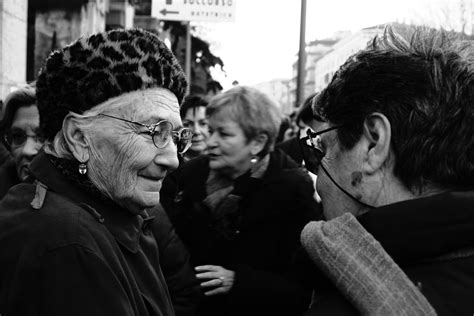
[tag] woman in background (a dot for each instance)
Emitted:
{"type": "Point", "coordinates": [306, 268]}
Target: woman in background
{"type": "Point", "coordinates": [193, 115]}
{"type": "Point", "coordinates": [240, 210]}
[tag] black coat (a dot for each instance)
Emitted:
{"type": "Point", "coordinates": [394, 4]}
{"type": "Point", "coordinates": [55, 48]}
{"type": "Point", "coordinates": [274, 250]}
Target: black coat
{"type": "Point", "coordinates": [8, 177]}
{"type": "Point", "coordinates": [273, 212]}
{"type": "Point", "coordinates": [432, 240]}
{"type": "Point", "coordinates": [292, 148]}
{"type": "Point", "coordinates": [76, 254]}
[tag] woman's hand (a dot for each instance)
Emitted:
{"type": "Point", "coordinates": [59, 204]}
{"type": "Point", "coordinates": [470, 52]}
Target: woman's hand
{"type": "Point", "coordinates": [219, 279]}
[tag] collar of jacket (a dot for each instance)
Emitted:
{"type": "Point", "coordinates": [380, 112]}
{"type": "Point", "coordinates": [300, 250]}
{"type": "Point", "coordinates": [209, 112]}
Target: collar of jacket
{"type": "Point", "coordinates": [123, 225]}
{"type": "Point", "coordinates": [424, 228]}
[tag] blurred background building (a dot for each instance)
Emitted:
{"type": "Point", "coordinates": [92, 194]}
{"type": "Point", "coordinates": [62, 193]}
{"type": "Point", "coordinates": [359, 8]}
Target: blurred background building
{"type": "Point", "coordinates": [31, 29]}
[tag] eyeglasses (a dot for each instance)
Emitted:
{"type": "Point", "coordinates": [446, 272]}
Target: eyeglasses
{"type": "Point", "coordinates": [312, 149]}
{"type": "Point", "coordinates": [162, 132]}
{"type": "Point", "coordinates": [17, 138]}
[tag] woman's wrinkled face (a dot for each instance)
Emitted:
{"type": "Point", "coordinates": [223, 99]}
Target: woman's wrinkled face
{"type": "Point", "coordinates": [196, 120]}
{"type": "Point", "coordinates": [124, 163]}
{"type": "Point", "coordinates": [228, 149]}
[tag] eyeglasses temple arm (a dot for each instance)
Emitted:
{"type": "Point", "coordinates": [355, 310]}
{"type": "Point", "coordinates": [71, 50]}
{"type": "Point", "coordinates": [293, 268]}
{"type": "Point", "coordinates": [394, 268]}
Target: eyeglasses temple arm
{"type": "Point", "coordinates": [124, 120]}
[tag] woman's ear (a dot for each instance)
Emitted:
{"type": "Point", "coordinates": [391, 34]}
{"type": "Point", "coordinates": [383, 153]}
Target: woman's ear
{"type": "Point", "coordinates": [75, 138]}
{"type": "Point", "coordinates": [378, 135]}
{"type": "Point", "coordinates": [258, 143]}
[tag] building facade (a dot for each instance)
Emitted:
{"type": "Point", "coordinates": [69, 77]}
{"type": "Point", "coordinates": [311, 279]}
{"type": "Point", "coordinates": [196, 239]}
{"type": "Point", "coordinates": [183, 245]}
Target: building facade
{"type": "Point", "coordinates": [329, 63]}
{"type": "Point", "coordinates": [279, 90]}
{"type": "Point", "coordinates": [314, 51]}
{"type": "Point", "coordinates": [13, 34]}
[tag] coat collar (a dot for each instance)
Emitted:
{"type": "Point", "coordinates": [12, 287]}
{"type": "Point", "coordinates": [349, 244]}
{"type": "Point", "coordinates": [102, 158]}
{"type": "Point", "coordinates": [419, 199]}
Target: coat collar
{"type": "Point", "coordinates": [424, 228]}
{"type": "Point", "coordinates": [124, 226]}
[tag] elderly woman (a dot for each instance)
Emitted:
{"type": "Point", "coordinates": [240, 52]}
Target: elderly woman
{"type": "Point", "coordinates": [82, 240]}
{"type": "Point", "coordinates": [396, 178]}
{"type": "Point", "coordinates": [240, 210]}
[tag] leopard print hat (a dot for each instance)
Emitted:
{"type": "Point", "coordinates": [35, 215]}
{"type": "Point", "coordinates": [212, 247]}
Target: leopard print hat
{"type": "Point", "coordinates": [96, 68]}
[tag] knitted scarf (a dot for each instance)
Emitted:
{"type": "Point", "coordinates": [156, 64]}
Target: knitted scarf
{"type": "Point", "coordinates": [224, 195]}
{"type": "Point", "coordinates": [361, 269]}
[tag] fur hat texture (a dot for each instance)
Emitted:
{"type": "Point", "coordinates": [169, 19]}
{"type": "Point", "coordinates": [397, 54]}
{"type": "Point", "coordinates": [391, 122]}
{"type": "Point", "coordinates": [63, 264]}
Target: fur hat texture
{"type": "Point", "coordinates": [96, 68]}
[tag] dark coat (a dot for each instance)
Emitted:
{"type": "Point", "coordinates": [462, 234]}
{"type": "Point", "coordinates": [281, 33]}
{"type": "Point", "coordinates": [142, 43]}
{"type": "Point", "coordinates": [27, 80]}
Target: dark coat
{"type": "Point", "coordinates": [4, 154]}
{"type": "Point", "coordinates": [432, 240]}
{"type": "Point", "coordinates": [292, 148]}
{"type": "Point", "coordinates": [272, 213]}
{"type": "Point", "coordinates": [180, 279]}
{"type": "Point", "coordinates": [75, 254]}
{"type": "Point", "coordinates": [8, 177]}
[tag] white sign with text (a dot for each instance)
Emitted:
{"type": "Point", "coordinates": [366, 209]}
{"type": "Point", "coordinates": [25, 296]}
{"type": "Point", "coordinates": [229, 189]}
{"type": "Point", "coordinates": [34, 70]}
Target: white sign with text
{"type": "Point", "coordinates": [194, 10]}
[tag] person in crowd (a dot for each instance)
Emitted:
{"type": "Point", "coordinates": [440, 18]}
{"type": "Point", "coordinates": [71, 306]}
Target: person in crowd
{"type": "Point", "coordinates": [20, 134]}
{"type": "Point", "coordinates": [305, 118]}
{"type": "Point", "coordinates": [285, 130]}
{"type": "Point", "coordinates": [296, 146]}
{"type": "Point", "coordinates": [193, 114]}
{"type": "Point", "coordinates": [213, 87]}
{"type": "Point", "coordinates": [240, 210]}
{"type": "Point", "coordinates": [82, 239]}
{"type": "Point", "coordinates": [396, 178]}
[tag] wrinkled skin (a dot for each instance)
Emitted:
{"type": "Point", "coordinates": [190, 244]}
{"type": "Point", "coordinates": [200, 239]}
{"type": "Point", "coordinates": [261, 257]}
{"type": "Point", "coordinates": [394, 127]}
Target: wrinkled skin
{"type": "Point", "coordinates": [124, 163]}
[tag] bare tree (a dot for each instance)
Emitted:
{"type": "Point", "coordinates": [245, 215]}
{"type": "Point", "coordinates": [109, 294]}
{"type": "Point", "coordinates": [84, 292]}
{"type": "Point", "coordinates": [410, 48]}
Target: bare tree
{"type": "Point", "coordinates": [453, 15]}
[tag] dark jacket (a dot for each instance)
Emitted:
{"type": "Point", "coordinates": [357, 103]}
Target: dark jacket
{"type": "Point", "coordinates": [272, 212]}
{"type": "Point", "coordinates": [8, 177]}
{"type": "Point", "coordinates": [65, 252]}
{"type": "Point", "coordinates": [182, 284]}
{"type": "Point", "coordinates": [292, 148]}
{"type": "Point", "coordinates": [4, 153]}
{"type": "Point", "coordinates": [432, 240]}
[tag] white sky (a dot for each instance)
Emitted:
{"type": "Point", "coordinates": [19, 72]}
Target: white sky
{"type": "Point", "coordinates": [263, 41]}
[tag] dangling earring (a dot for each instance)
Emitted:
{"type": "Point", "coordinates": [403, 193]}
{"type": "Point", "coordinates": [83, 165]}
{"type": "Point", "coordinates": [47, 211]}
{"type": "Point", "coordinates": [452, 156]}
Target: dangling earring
{"type": "Point", "coordinates": [254, 159]}
{"type": "Point", "coordinates": [82, 168]}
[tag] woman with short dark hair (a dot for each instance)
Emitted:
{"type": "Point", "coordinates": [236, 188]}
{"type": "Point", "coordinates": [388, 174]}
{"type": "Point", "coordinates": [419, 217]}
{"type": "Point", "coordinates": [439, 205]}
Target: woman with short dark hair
{"type": "Point", "coordinates": [395, 172]}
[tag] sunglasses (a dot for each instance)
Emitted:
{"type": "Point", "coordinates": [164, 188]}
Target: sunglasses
{"type": "Point", "coordinates": [17, 138]}
{"type": "Point", "coordinates": [162, 133]}
{"type": "Point", "coordinates": [312, 149]}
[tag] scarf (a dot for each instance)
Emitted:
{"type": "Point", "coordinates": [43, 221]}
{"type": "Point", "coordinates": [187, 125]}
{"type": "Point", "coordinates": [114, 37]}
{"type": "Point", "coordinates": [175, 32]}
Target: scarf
{"type": "Point", "coordinates": [69, 169]}
{"type": "Point", "coordinates": [224, 195]}
{"type": "Point", "coordinates": [361, 269]}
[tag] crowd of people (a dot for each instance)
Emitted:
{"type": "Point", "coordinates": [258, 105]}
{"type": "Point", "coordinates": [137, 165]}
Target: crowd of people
{"type": "Point", "coordinates": [121, 195]}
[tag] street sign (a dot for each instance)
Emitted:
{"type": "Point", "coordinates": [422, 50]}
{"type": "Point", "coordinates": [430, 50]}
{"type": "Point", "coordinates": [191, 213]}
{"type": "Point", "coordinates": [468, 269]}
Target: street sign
{"type": "Point", "coordinates": [194, 10]}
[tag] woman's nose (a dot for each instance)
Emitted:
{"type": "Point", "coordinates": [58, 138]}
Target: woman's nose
{"type": "Point", "coordinates": [31, 147]}
{"type": "Point", "coordinates": [196, 128]}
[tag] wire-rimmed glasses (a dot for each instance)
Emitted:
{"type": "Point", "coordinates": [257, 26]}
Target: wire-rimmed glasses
{"type": "Point", "coordinates": [162, 132]}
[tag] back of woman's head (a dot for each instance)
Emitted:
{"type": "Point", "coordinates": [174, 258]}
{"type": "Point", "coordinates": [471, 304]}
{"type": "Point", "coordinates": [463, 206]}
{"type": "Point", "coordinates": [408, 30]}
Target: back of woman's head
{"type": "Point", "coordinates": [422, 80]}
{"type": "Point", "coordinates": [251, 109]}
